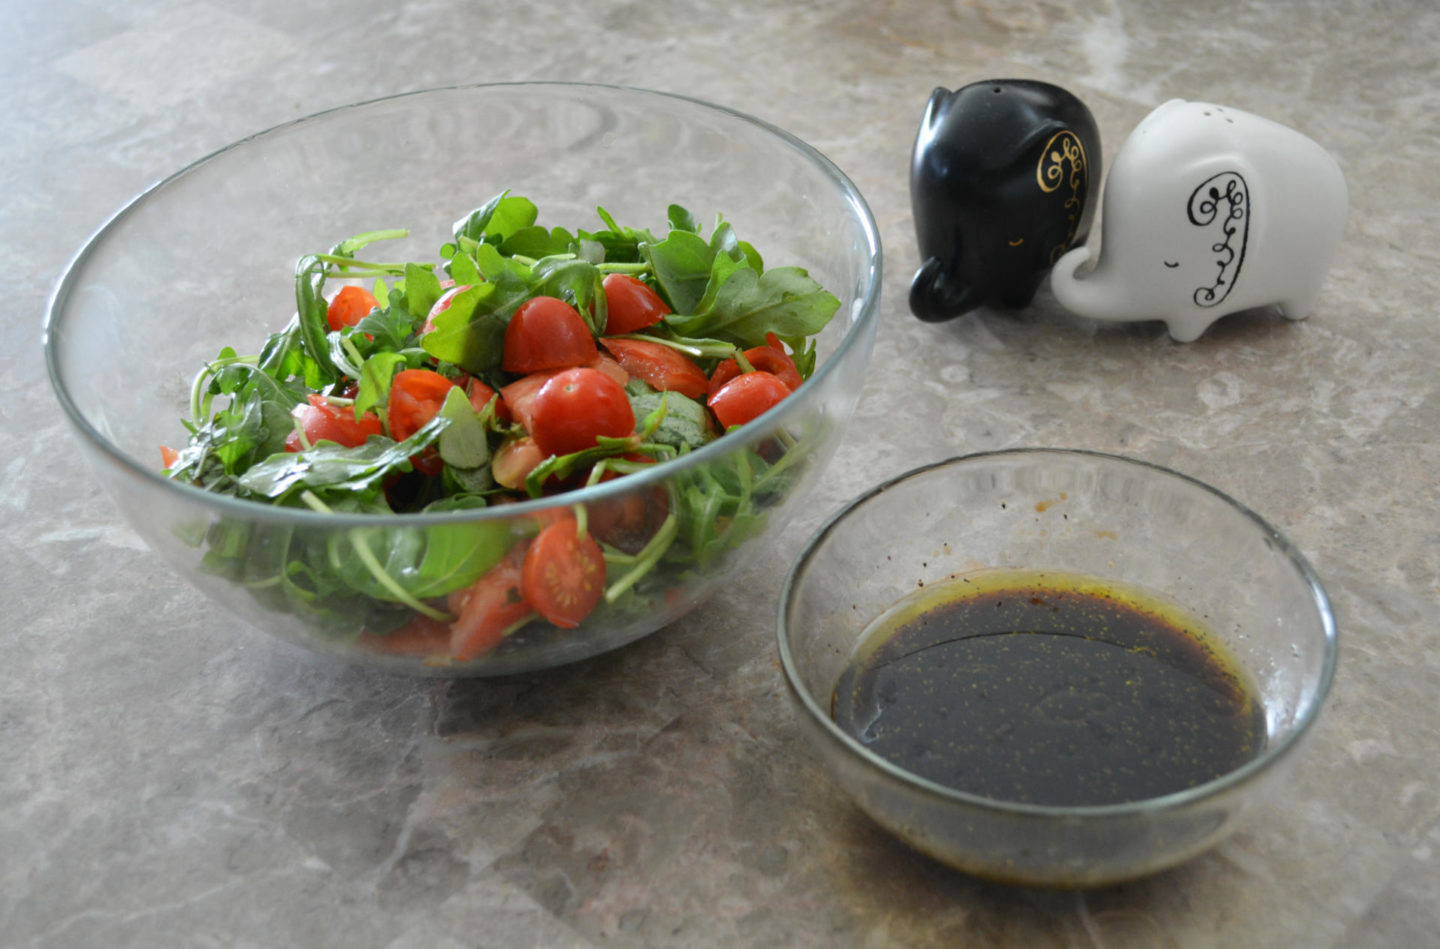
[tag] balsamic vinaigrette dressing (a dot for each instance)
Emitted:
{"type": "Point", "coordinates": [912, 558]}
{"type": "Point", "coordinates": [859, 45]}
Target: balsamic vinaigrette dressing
{"type": "Point", "coordinates": [1048, 688]}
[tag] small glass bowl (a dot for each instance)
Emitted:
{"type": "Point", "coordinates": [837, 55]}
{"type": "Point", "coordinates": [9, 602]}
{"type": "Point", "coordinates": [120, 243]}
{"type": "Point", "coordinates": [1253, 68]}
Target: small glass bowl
{"type": "Point", "coordinates": [1076, 512]}
{"type": "Point", "coordinates": [206, 258]}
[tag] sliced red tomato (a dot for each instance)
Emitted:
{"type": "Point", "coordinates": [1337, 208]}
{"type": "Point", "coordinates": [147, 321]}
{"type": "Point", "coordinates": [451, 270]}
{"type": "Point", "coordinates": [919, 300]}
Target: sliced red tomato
{"type": "Point", "coordinates": [322, 421]}
{"type": "Point", "coordinates": [488, 607]}
{"type": "Point", "coordinates": [575, 407]}
{"type": "Point", "coordinates": [422, 636]}
{"type": "Point", "coordinates": [661, 366]}
{"type": "Point", "coordinates": [631, 304]}
{"type": "Point", "coordinates": [747, 396]}
{"type": "Point", "coordinates": [546, 333]}
{"type": "Point", "coordinates": [603, 363]}
{"type": "Point", "coordinates": [351, 305]}
{"type": "Point", "coordinates": [514, 460]}
{"type": "Point", "coordinates": [480, 395]}
{"type": "Point", "coordinates": [416, 396]}
{"type": "Point", "coordinates": [627, 522]}
{"type": "Point", "coordinates": [564, 574]}
{"type": "Point", "coordinates": [772, 359]}
{"type": "Point", "coordinates": [519, 396]}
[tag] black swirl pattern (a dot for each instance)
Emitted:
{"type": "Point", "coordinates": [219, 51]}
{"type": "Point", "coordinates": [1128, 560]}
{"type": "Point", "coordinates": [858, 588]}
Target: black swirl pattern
{"type": "Point", "coordinates": [1224, 198]}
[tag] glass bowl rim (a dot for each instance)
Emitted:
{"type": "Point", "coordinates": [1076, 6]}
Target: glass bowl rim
{"type": "Point", "coordinates": [1271, 755]}
{"type": "Point", "coordinates": [868, 309]}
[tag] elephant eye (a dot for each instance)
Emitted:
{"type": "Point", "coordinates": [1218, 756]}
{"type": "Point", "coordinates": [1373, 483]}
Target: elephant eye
{"type": "Point", "coordinates": [1016, 242]}
{"type": "Point", "coordinates": [1172, 266]}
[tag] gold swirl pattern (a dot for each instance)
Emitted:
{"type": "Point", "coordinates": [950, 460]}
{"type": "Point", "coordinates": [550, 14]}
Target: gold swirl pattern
{"type": "Point", "coordinates": [1064, 151]}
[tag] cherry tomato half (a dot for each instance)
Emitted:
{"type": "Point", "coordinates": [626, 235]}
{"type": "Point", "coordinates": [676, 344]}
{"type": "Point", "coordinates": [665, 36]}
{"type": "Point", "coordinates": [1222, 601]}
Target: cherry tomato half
{"type": "Point", "coordinates": [772, 359]}
{"type": "Point", "coordinates": [564, 574]}
{"type": "Point", "coordinates": [416, 396]}
{"type": "Point", "coordinates": [514, 460]}
{"type": "Point", "coordinates": [480, 395]}
{"type": "Point", "coordinates": [746, 396]}
{"type": "Point", "coordinates": [629, 521]}
{"type": "Point", "coordinates": [351, 305]}
{"type": "Point", "coordinates": [631, 304]}
{"type": "Point", "coordinates": [488, 607]}
{"type": "Point", "coordinates": [575, 407]}
{"type": "Point", "coordinates": [422, 636]}
{"type": "Point", "coordinates": [322, 421]}
{"type": "Point", "coordinates": [546, 333]}
{"type": "Point", "coordinates": [611, 368]}
{"type": "Point", "coordinates": [661, 366]}
{"type": "Point", "coordinates": [517, 397]}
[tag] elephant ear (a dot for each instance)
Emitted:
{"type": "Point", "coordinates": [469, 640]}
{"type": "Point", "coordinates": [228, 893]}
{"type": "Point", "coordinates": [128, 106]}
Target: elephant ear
{"type": "Point", "coordinates": [1063, 166]}
{"type": "Point", "coordinates": [1221, 205]}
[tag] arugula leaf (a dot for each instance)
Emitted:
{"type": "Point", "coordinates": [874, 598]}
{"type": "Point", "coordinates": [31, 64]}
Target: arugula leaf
{"type": "Point", "coordinates": [682, 263]}
{"type": "Point", "coordinates": [335, 467]}
{"type": "Point", "coordinates": [783, 300]}
{"type": "Point", "coordinates": [456, 555]}
{"type": "Point", "coordinates": [495, 267]}
{"type": "Point", "coordinates": [467, 334]}
{"type": "Point", "coordinates": [536, 242]}
{"type": "Point", "coordinates": [471, 333]}
{"type": "Point", "coordinates": [563, 466]}
{"type": "Point", "coordinates": [287, 571]}
{"type": "Point", "coordinates": [463, 443]}
{"type": "Point", "coordinates": [496, 219]}
{"type": "Point", "coordinates": [350, 245]}
{"type": "Point", "coordinates": [411, 563]}
{"type": "Point", "coordinates": [311, 306]}
{"type": "Point", "coordinates": [422, 289]}
{"type": "Point", "coordinates": [375, 378]}
{"type": "Point", "coordinates": [802, 353]}
{"type": "Point", "coordinates": [279, 355]}
{"type": "Point", "coordinates": [681, 219]}
{"type": "Point", "coordinates": [463, 270]}
{"type": "Point", "coordinates": [512, 214]}
{"type": "Point", "coordinates": [578, 283]}
{"type": "Point", "coordinates": [386, 328]}
{"type": "Point", "coordinates": [724, 241]}
{"type": "Point", "coordinates": [720, 271]}
{"type": "Point", "coordinates": [621, 244]}
{"type": "Point", "coordinates": [252, 425]}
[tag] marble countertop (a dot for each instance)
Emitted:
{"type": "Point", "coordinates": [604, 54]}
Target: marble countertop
{"type": "Point", "coordinates": [170, 777]}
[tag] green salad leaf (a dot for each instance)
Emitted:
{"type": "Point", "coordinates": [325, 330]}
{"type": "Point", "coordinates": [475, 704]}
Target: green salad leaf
{"type": "Point", "coordinates": [747, 305]}
{"type": "Point", "coordinates": [335, 468]}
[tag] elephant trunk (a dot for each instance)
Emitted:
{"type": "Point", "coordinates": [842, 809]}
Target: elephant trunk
{"type": "Point", "coordinates": [1088, 297]}
{"type": "Point", "coordinates": [936, 295]}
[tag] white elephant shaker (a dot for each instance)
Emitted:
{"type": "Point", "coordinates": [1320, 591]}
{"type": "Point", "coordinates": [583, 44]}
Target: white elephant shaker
{"type": "Point", "coordinates": [1207, 211]}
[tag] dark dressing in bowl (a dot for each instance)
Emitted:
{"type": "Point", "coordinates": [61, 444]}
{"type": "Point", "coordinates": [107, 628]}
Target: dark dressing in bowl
{"type": "Point", "coordinates": [1049, 689]}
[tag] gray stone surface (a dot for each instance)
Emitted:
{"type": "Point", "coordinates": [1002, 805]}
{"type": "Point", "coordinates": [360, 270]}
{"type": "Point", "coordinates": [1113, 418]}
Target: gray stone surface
{"type": "Point", "coordinates": [169, 777]}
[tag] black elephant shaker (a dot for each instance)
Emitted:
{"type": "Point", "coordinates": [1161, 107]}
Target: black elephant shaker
{"type": "Point", "coordinates": [1003, 181]}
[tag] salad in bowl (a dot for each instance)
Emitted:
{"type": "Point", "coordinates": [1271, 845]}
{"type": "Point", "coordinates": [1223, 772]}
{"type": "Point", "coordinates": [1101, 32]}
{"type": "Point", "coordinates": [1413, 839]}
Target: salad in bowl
{"type": "Point", "coordinates": [527, 364]}
{"type": "Point", "coordinates": [526, 440]}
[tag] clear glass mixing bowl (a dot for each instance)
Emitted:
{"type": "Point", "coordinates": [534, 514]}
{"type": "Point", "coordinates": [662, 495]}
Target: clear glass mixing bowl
{"type": "Point", "coordinates": [205, 259]}
{"type": "Point", "coordinates": [1070, 512]}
